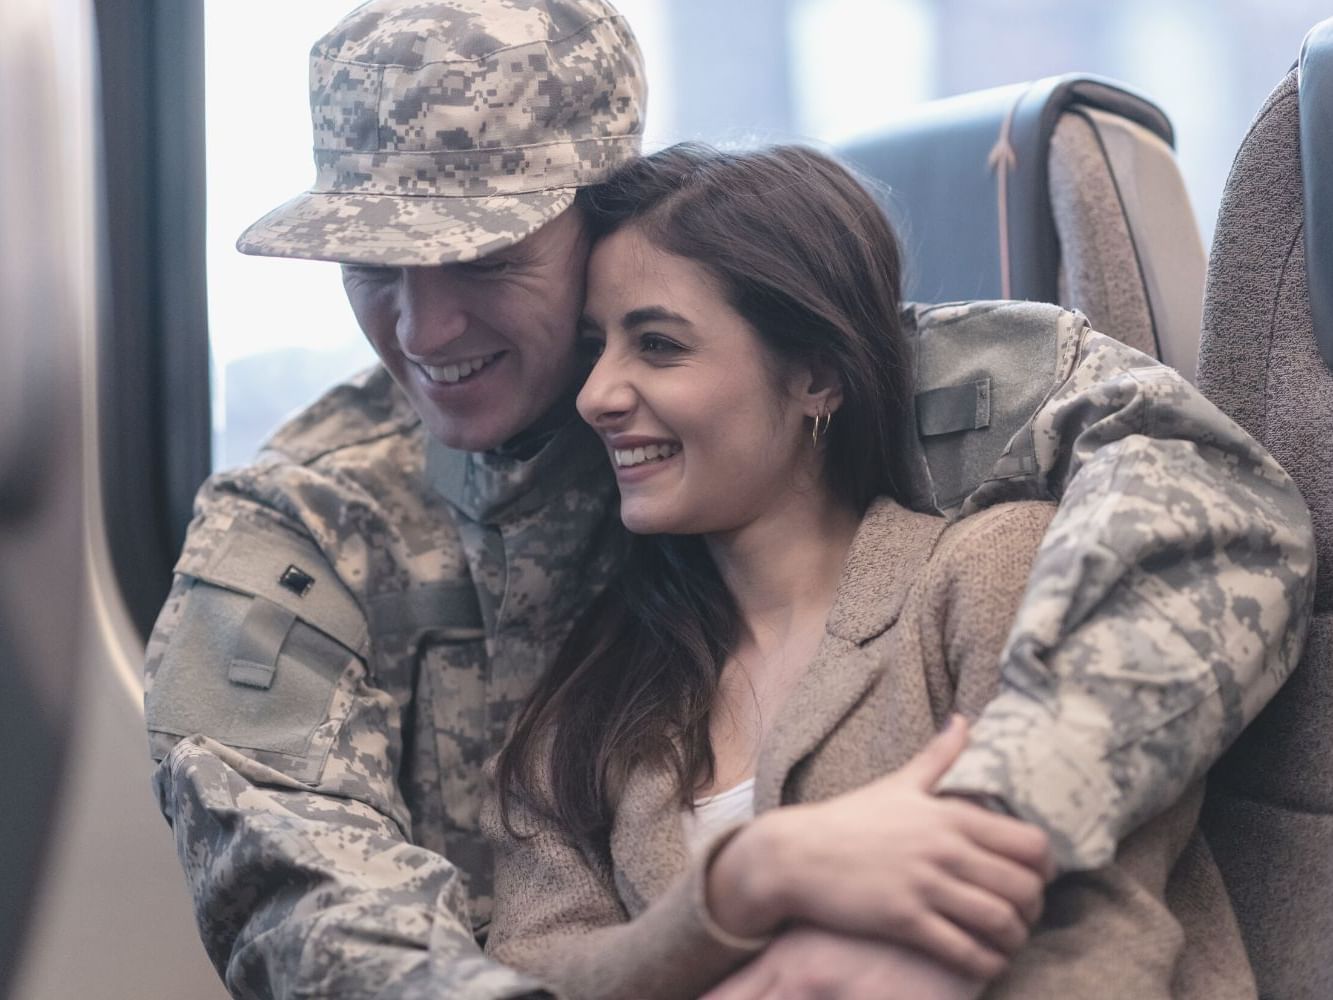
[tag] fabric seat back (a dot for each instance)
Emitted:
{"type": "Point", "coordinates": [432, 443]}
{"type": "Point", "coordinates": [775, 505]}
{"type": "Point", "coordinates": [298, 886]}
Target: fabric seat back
{"type": "Point", "coordinates": [1268, 308]}
{"type": "Point", "coordinates": [1065, 190]}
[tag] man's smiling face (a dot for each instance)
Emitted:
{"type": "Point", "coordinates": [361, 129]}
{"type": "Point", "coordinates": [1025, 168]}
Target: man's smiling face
{"type": "Point", "coordinates": [484, 349]}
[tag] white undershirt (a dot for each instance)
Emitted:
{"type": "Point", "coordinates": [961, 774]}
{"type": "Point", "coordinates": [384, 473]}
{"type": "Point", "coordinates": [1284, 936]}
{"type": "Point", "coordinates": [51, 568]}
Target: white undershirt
{"type": "Point", "coordinates": [716, 812]}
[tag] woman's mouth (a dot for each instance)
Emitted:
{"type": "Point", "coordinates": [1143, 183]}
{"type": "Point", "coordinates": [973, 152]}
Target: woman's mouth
{"type": "Point", "coordinates": [629, 458]}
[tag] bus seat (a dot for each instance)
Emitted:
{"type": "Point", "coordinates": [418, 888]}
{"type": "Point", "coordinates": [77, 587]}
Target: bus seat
{"type": "Point", "coordinates": [1265, 356]}
{"type": "Point", "coordinates": [1064, 190]}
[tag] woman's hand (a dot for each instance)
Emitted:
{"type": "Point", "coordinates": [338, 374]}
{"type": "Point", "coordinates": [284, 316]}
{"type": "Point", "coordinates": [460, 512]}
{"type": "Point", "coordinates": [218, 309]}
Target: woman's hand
{"type": "Point", "coordinates": [806, 963]}
{"type": "Point", "coordinates": [891, 862]}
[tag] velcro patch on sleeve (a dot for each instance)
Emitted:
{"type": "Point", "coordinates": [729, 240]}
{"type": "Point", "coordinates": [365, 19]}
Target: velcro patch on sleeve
{"type": "Point", "coordinates": [259, 642]}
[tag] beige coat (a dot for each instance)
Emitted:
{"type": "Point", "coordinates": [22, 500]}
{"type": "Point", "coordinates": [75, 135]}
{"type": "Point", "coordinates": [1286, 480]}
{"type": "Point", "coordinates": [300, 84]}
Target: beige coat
{"type": "Point", "coordinates": [915, 632]}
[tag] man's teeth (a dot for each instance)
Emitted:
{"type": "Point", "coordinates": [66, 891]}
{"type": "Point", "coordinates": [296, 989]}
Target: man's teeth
{"type": "Point", "coordinates": [461, 370]}
{"type": "Point", "coordinates": [627, 457]}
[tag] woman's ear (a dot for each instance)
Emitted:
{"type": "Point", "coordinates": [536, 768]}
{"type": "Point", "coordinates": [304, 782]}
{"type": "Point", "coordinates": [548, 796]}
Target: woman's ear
{"type": "Point", "coordinates": [819, 390]}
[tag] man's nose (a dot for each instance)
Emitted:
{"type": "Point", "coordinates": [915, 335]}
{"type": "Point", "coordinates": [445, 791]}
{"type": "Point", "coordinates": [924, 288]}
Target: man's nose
{"type": "Point", "coordinates": [433, 311]}
{"type": "Point", "coordinates": [608, 396]}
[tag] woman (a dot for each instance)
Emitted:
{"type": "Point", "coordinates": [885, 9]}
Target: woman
{"type": "Point", "coordinates": [784, 631]}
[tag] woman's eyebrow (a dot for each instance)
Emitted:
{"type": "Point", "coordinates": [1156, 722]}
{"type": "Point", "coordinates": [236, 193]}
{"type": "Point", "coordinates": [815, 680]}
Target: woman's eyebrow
{"type": "Point", "coordinates": [587, 324]}
{"type": "Point", "coordinates": [652, 314]}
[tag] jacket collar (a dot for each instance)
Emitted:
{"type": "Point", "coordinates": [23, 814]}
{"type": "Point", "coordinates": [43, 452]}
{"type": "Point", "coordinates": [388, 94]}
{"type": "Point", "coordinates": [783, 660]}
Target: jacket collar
{"type": "Point", "coordinates": [887, 557]}
{"type": "Point", "coordinates": [495, 486]}
{"type": "Point", "coordinates": [887, 553]}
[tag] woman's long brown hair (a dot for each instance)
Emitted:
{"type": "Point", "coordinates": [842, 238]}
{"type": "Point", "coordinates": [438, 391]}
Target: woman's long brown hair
{"type": "Point", "coordinates": [805, 255]}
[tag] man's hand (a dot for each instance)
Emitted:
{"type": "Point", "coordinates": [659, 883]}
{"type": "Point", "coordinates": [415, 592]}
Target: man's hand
{"type": "Point", "coordinates": [893, 863]}
{"type": "Point", "coordinates": [810, 964]}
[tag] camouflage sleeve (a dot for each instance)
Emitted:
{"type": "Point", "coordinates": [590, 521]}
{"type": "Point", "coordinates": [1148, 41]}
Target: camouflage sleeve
{"type": "Point", "coordinates": [278, 763]}
{"type": "Point", "coordinates": [1168, 602]}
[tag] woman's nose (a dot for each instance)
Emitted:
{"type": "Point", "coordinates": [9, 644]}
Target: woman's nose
{"type": "Point", "coordinates": [432, 313]}
{"type": "Point", "coordinates": [607, 396]}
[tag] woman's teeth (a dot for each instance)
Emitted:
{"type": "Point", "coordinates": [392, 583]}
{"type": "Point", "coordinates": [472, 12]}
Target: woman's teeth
{"type": "Point", "coordinates": [461, 370]}
{"type": "Point", "coordinates": [628, 457]}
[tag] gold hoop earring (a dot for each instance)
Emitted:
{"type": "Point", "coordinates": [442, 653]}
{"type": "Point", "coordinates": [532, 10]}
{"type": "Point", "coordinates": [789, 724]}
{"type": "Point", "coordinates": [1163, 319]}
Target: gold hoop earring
{"type": "Point", "coordinates": [820, 428]}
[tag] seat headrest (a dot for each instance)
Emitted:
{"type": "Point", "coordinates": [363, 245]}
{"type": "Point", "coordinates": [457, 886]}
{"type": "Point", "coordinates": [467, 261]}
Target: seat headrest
{"type": "Point", "coordinates": [1315, 78]}
{"type": "Point", "coordinates": [948, 165]}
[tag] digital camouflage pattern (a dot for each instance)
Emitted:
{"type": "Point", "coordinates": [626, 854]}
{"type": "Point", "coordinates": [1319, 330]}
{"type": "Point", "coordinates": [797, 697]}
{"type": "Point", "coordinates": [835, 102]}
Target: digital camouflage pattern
{"type": "Point", "coordinates": [324, 873]}
{"type": "Point", "coordinates": [448, 129]}
{"type": "Point", "coordinates": [1169, 601]}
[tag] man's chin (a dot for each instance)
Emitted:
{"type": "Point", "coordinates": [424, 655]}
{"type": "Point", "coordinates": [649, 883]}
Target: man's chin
{"type": "Point", "coordinates": [467, 437]}
{"type": "Point", "coordinates": [488, 428]}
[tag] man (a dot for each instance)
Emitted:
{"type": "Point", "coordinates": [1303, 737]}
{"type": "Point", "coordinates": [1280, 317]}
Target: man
{"type": "Point", "coordinates": [356, 615]}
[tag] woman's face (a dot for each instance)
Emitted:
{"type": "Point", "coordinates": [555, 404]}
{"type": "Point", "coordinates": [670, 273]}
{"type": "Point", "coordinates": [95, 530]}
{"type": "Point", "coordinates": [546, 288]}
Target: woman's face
{"type": "Point", "coordinates": [704, 431]}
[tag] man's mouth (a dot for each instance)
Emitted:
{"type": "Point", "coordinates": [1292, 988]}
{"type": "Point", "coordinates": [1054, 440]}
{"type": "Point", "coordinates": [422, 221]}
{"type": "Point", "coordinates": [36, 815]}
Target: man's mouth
{"type": "Point", "coordinates": [459, 371]}
{"type": "Point", "coordinates": [628, 458]}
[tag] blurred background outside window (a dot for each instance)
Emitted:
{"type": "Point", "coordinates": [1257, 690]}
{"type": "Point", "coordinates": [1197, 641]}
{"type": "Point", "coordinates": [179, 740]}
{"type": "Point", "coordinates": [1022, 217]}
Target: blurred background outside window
{"type": "Point", "coordinates": [728, 71]}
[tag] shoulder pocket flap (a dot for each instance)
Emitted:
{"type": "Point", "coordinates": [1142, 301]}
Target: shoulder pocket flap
{"type": "Point", "coordinates": [288, 571]}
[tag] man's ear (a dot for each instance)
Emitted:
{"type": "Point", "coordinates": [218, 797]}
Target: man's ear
{"type": "Point", "coordinates": [819, 389]}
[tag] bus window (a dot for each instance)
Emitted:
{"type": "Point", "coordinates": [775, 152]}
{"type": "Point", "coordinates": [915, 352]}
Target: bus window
{"type": "Point", "coordinates": [280, 330]}
{"type": "Point", "coordinates": [740, 71]}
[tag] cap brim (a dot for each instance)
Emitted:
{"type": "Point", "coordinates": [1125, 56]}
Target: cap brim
{"type": "Point", "coordinates": [400, 232]}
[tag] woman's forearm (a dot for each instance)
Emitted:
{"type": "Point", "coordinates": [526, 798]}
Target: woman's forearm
{"type": "Point", "coordinates": [892, 862]}
{"type": "Point", "coordinates": [751, 878]}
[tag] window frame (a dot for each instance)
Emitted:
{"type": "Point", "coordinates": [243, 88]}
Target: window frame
{"type": "Point", "coordinates": [154, 423]}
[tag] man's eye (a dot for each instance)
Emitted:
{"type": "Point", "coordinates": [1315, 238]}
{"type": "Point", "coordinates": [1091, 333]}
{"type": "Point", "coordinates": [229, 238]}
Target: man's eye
{"type": "Point", "coordinates": [369, 272]}
{"type": "Point", "coordinates": [486, 265]}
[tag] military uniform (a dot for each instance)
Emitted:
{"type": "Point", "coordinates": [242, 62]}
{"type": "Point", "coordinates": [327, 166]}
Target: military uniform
{"type": "Point", "coordinates": [357, 614]}
{"type": "Point", "coordinates": [355, 617]}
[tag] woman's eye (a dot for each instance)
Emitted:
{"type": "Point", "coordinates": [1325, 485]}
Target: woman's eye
{"type": "Point", "coordinates": [655, 343]}
{"type": "Point", "coordinates": [591, 347]}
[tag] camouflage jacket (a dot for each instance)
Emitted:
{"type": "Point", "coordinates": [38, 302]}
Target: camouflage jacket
{"type": "Point", "coordinates": [356, 615]}
{"type": "Point", "coordinates": [353, 619]}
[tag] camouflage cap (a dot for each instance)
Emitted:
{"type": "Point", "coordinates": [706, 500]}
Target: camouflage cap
{"type": "Point", "coordinates": [446, 130]}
